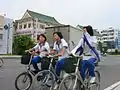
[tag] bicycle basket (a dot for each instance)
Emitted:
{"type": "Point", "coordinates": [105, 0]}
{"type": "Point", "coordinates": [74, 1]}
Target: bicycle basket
{"type": "Point", "coordinates": [45, 62]}
{"type": "Point", "coordinates": [25, 59]}
{"type": "Point", "coordinates": [69, 66]}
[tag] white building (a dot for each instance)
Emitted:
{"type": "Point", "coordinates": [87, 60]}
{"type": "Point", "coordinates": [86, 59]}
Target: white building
{"type": "Point", "coordinates": [33, 24]}
{"type": "Point", "coordinates": [109, 37]}
{"type": "Point", "coordinates": [118, 40]}
{"type": "Point", "coordinates": [6, 36]}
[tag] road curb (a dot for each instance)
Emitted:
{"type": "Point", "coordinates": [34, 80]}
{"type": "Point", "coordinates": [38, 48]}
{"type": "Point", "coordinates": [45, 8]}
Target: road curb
{"type": "Point", "coordinates": [10, 57]}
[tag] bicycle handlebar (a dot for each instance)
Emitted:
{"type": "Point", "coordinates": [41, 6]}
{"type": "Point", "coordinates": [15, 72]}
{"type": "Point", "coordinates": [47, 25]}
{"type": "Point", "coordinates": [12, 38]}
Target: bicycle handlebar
{"type": "Point", "coordinates": [77, 56]}
{"type": "Point", "coordinates": [30, 52]}
{"type": "Point", "coordinates": [52, 56]}
{"type": "Point", "coordinates": [26, 51]}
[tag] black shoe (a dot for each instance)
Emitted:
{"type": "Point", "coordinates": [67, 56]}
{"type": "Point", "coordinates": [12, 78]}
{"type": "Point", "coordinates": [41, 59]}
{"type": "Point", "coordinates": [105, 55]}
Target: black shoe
{"type": "Point", "coordinates": [39, 78]}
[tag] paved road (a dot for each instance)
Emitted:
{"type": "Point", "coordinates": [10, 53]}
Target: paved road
{"type": "Point", "coordinates": [8, 74]}
{"type": "Point", "coordinates": [109, 69]}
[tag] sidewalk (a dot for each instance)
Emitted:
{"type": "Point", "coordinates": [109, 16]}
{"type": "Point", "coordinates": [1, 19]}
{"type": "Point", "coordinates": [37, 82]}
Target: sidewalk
{"type": "Point", "coordinates": [10, 56]}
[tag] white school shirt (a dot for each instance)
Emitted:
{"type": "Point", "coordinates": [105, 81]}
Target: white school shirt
{"type": "Point", "coordinates": [58, 48]}
{"type": "Point", "coordinates": [44, 49]}
{"type": "Point", "coordinates": [87, 51]}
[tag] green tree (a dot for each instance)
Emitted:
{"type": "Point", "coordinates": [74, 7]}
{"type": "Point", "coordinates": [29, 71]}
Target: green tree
{"type": "Point", "coordinates": [116, 51]}
{"type": "Point", "coordinates": [22, 43]}
{"type": "Point", "coordinates": [105, 49]}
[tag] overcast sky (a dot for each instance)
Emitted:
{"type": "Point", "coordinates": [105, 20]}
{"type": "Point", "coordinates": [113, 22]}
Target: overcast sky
{"type": "Point", "coordinates": [98, 13]}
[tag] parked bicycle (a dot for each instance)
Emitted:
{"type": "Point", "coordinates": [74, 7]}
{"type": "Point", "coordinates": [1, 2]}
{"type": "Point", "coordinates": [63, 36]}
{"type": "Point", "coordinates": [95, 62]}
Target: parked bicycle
{"type": "Point", "coordinates": [74, 80]}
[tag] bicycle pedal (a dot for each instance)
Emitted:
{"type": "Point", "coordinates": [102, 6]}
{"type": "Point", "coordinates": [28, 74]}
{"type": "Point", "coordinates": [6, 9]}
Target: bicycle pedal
{"type": "Point", "coordinates": [58, 81]}
{"type": "Point", "coordinates": [91, 85]}
{"type": "Point", "coordinates": [81, 86]}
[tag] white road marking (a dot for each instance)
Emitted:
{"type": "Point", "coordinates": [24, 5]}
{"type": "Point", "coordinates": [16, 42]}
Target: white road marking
{"type": "Point", "coordinates": [112, 87]}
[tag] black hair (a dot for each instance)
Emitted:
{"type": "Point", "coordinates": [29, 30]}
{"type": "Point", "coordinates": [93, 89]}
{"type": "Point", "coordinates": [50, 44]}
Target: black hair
{"type": "Point", "coordinates": [89, 30]}
{"type": "Point", "coordinates": [42, 36]}
{"type": "Point", "coordinates": [59, 34]}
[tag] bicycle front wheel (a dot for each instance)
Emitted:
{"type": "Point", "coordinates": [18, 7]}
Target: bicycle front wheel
{"type": "Point", "coordinates": [96, 85]}
{"type": "Point", "coordinates": [70, 83]}
{"type": "Point", "coordinates": [1, 62]}
{"type": "Point", "coordinates": [23, 81]}
{"type": "Point", "coordinates": [43, 80]}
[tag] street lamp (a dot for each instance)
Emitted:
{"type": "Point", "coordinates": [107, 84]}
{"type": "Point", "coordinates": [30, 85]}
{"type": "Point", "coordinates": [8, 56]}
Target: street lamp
{"type": "Point", "coordinates": [7, 27]}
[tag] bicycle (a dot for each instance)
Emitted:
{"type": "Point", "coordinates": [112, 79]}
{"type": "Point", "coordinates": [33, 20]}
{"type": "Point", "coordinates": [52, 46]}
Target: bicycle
{"type": "Point", "coordinates": [24, 80]}
{"type": "Point", "coordinates": [1, 62]}
{"type": "Point", "coordinates": [74, 81]}
{"type": "Point", "coordinates": [47, 78]}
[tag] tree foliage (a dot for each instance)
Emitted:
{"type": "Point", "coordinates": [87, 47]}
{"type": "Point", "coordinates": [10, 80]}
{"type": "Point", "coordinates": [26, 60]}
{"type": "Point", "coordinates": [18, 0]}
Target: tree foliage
{"type": "Point", "coordinates": [22, 43]}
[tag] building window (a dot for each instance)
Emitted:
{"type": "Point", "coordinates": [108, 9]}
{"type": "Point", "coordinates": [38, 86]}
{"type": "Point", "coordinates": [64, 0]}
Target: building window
{"type": "Point", "coordinates": [34, 26]}
{"type": "Point", "coordinates": [111, 37]}
{"type": "Point", "coordinates": [104, 34]}
{"type": "Point", "coordinates": [42, 26]}
{"type": "Point", "coordinates": [1, 28]}
{"type": "Point", "coordinates": [25, 26]}
{"type": "Point", "coordinates": [1, 36]}
{"type": "Point", "coordinates": [20, 26]}
{"type": "Point", "coordinates": [29, 25]}
{"type": "Point", "coordinates": [112, 34]}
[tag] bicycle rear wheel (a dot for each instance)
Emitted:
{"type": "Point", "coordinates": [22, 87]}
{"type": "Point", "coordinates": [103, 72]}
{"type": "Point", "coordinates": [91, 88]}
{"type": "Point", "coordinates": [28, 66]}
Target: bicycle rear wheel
{"type": "Point", "coordinates": [23, 81]}
{"type": "Point", "coordinates": [1, 62]}
{"type": "Point", "coordinates": [96, 85]}
{"type": "Point", "coordinates": [68, 83]}
{"type": "Point", "coordinates": [43, 80]}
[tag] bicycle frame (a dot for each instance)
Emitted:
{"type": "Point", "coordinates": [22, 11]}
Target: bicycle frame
{"type": "Point", "coordinates": [78, 76]}
{"type": "Point", "coordinates": [51, 68]}
{"type": "Point", "coordinates": [85, 82]}
{"type": "Point", "coordinates": [28, 67]}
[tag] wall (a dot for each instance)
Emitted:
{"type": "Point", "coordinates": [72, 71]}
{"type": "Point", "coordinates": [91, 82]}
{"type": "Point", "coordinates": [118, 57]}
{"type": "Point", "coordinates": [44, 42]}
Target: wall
{"type": "Point", "coordinates": [75, 36]}
{"type": "Point", "coordinates": [3, 42]}
{"type": "Point", "coordinates": [51, 30]}
{"type": "Point", "coordinates": [69, 33]}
